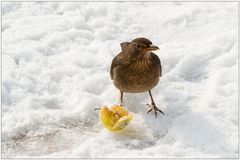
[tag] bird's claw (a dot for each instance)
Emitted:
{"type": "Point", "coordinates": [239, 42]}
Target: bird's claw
{"type": "Point", "coordinates": [154, 108]}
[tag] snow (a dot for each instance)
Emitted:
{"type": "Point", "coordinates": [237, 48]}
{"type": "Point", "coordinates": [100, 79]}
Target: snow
{"type": "Point", "coordinates": [56, 58]}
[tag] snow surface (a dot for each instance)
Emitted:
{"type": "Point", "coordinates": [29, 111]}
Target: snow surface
{"type": "Point", "coordinates": [56, 58]}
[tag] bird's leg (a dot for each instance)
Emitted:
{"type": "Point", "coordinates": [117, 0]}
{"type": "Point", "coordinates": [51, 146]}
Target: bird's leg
{"type": "Point", "coordinates": [153, 106]}
{"type": "Point", "coordinates": [121, 98]}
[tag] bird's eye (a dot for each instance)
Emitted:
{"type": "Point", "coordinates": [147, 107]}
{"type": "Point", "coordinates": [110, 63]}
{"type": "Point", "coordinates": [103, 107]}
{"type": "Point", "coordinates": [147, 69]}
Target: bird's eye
{"type": "Point", "coordinates": [138, 47]}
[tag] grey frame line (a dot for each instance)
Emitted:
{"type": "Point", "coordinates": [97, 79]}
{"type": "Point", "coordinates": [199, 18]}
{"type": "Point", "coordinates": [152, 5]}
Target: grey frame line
{"type": "Point", "coordinates": [123, 1]}
{"type": "Point", "coordinates": [128, 2]}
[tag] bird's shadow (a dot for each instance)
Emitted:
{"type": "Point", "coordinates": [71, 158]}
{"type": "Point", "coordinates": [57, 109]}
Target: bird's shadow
{"type": "Point", "coordinates": [134, 102]}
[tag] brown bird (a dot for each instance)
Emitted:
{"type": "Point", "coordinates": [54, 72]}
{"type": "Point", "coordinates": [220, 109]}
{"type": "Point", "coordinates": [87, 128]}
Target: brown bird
{"type": "Point", "coordinates": [136, 69]}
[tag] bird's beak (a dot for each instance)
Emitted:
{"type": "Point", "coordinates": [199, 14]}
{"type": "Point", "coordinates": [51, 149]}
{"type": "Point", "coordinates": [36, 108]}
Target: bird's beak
{"type": "Point", "coordinates": [152, 48]}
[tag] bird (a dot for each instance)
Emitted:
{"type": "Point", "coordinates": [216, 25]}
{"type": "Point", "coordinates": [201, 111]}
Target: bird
{"type": "Point", "coordinates": [137, 69]}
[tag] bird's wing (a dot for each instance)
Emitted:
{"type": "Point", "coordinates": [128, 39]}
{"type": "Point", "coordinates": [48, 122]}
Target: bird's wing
{"type": "Point", "coordinates": [115, 62]}
{"type": "Point", "coordinates": [157, 61]}
{"type": "Point", "coordinates": [160, 68]}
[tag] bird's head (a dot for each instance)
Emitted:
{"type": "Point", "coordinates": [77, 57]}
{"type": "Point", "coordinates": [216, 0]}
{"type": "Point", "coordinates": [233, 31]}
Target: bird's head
{"type": "Point", "coordinates": [138, 46]}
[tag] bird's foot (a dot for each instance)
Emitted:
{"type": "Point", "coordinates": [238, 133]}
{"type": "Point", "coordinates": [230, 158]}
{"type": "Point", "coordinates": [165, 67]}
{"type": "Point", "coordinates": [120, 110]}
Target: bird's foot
{"type": "Point", "coordinates": [153, 107]}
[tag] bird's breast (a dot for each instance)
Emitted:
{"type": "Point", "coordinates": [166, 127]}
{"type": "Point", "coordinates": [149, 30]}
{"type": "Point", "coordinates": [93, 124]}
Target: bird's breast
{"type": "Point", "coordinates": [140, 65]}
{"type": "Point", "coordinates": [139, 76]}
